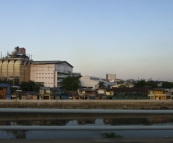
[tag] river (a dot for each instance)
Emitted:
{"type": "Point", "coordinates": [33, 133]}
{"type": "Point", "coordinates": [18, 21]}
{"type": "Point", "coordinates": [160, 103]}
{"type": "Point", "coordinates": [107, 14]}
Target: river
{"type": "Point", "coordinates": [29, 125]}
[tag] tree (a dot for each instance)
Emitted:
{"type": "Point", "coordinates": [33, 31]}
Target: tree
{"type": "Point", "coordinates": [71, 83]}
{"type": "Point", "coordinates": [152, 84]}
{"type": "Point", "coordinates": [30, 86]}
{"type": "Point", "coordinates": [141, 83]}
{"type": "Point", "coordinates": [167, 84]}
{"type": "Point", "coordinates": [5, 81]}
{"type": "Point", "coordinates": [101, 85]}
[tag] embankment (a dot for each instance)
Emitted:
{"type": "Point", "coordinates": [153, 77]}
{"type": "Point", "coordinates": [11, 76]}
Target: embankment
{"type": "Point", "coordinates": [88, 104]}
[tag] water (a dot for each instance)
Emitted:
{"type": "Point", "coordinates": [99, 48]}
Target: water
{"type": "Point", "coordinates": [92, 120]}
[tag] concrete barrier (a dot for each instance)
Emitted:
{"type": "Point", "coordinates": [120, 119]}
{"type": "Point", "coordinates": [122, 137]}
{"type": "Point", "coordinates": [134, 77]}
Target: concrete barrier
{"type": "Point", "coordinates": [88, 104]}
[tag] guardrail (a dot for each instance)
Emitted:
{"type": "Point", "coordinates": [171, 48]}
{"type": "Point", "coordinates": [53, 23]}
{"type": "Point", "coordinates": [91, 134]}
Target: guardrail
{"type": "Point", "coordinates": [86, 127]}
{"type": "Point", "coordinates": [86, 111]}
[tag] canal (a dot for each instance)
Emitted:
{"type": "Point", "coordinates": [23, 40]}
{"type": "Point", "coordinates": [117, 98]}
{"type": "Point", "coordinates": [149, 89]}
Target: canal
{"type": "Point", "coordinates": [51, 124]}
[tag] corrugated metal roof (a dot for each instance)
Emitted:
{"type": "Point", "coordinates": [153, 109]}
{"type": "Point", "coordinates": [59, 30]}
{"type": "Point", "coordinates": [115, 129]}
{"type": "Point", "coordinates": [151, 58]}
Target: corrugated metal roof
{"type": "Point", "coordinates": [128, 89]}
{"type": "Point", "coordinates": [50, 62]}
{"type": "Point", "coordinates": [4, 85]}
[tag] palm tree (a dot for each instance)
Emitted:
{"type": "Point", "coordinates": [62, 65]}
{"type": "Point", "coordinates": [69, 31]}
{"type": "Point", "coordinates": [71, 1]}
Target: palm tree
{"type": "Point", "coordinates": [101, 85]}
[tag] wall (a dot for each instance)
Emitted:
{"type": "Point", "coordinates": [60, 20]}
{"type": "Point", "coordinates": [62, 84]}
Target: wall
{"type": "Point", "coordinates": [3, 92]}
{"type": "Point", "coordinates": [88, 104]}
{"type": "Point", "coordinates": [43, 73]}
{"type": "Point", "coordinates": [64, 67]}
{"type": "Point", "coordinates": [15, 70]}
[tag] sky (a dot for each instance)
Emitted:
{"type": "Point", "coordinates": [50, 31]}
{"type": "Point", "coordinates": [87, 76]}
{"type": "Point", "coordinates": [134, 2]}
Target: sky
{"type": "Point", "coordinates": [130, 38]}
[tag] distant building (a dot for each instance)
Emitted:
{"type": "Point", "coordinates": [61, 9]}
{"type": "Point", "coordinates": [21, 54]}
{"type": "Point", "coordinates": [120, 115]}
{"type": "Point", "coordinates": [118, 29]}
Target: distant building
{"type": "Point", "coordinates": [123, 84]}
{"type": "Point", "coordinates": [127, 93]}
{"type": "Point", "coordinates": [15, 67]}
{"type": "Point", "coordinates": [5, 91]}
{"type": "Point", "coordinates": [50, 73]}
{"type": "Point", "coordinates": [92, 82]}
{"type": "Point", "coordinates": [111, 77]}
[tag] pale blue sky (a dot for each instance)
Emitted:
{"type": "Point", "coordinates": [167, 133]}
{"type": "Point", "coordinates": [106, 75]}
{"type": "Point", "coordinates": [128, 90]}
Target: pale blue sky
{"type": "Point", "coordinates": [131, 38]}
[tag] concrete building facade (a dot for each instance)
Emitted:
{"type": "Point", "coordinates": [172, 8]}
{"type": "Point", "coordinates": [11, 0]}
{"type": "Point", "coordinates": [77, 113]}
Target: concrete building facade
{"type": "Point", "coordinates": [91, 82]}
{"type": "Point", "coordinates": [15, 67]}
{"type": "Point", "coordinates": [50, 73]}
{"type": "Point", "coordinates": [111, 77]}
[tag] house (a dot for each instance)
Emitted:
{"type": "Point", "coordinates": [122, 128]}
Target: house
{"type": "Point", "coordinates": [31, 95]}
{"type": "Point", "coordinates": [5, 91]}
{"type": "Point", "coordinates": [87, 93]}
{"type": "Point", "coordinates": [129, 93]}
{"type": "Point", "coordinates": [17, 94]}
{"type": "Point", "coordinates": [109, 94]}
{"type": "Point", "coordinates": [63, 96]}
{"type": "Point", "coordinates": [122, 84]}
{"type": "Point", "coordinates": [159, 94]}
{"type": "Point", "coordinates": [151, 94]}
{"type": "Point", "coordinates": [48, 93]}
{"type": "Point", "coordinates": [101, 94]}
{"type": "Point", "coordinates": [55, 93]}
{"type": "Point", "coordinates": [169, 94]}
{"type": "Point", "coordinates": [45, 93]}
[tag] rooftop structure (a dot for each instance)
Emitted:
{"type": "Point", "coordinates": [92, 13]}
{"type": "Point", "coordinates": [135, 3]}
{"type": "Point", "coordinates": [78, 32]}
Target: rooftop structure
{"type": "Point", "coordinates": [15, 67]}
{"type": "Point", "coordinates": [92, 82]}
{"type": "Point", "coordinates": [111, 77]}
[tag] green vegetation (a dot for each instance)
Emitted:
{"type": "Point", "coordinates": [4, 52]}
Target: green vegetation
{"type": "Point", "coordinates": [101, 85]}
{"type": "Point", "coordinates": [5, 81]}
{"type": "Point", "coordinates": [111, 135]}
{"type": "Point", "coordinates": [153, 84]}
{"type": "Point", "coordinates": [167, 84]}
{"type": "Point", "coordinates": [71, 83]}
{"type": "Point", "coordinates": [30, 86]}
